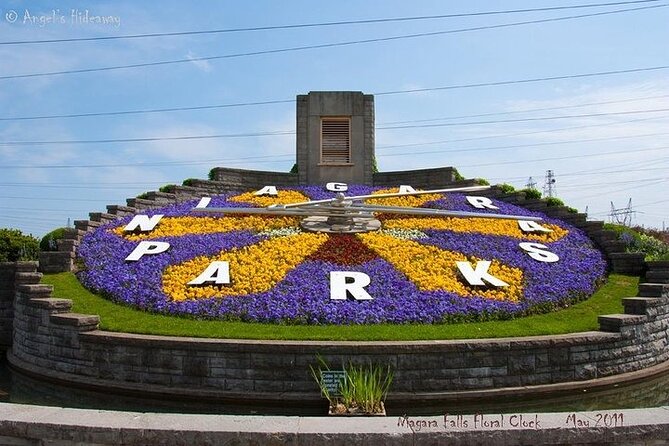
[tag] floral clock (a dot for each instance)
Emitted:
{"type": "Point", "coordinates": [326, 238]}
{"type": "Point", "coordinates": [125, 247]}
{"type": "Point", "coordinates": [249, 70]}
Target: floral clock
{"type": "Point", "coordinates": [310, 255]}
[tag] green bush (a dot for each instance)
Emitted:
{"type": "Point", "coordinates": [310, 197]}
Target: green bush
{"type": "Point", "coordinates": [572, 210]}
{"type": "Point", "coordinates": [189, 181]}
{"type": "Point", "coordinates": [641, 240]}
{"type": "Point", "coordinates": [49, 241]}
{"type": "Point", "coordinates": [294, 168]}
{"type": "Point", "coordinates": [457, 176]}
{"type": "Point", "coordinates": [532, 194]}
{"type": "Point", "coordinates": [506, 188]}
{"type": "Point", "coordinates": [554, 201]}
{"type": "Point", "coordinates": [143, 196]}
{"type": "Point", "coordinates": [168, 188]}
{"type": "Point", "coordinates": [16, 246]}
{"type": "Point", "coordinates": [211, 176]}
{"type": "Point", "coordinates": [481, 181]}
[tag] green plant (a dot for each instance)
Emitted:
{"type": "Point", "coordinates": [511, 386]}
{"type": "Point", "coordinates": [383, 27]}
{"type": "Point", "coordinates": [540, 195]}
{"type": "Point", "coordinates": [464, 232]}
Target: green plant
{"type": "Point", "coordinates": [143, 196]}
{"type": "Point", "coordinates": [532, 194]}
{"type": "Point", "coordinates": [457, 176]}
{"type": "Point", "coordinates": [375, 166]}
{"type": "Point", "coordinates": [211, 175]}
{"type": "Point", "coordinates": [481, 181]}
{"type": "Point", "coordinates": [572, 210]}
{"type": "Point", "coordinates": [363, 389]}
{"type": "Point", "coordinates": [506, 188]}
{"type": "Point", "coordinates": [189, 181]}
{"type": "Point", "coordinates": [49, 241]}
{"type": "Point", "coordinates": [168, 188]}
{"type": "Point", "coordinates": [554, 201]}
{"type": "Point", "coordinates": [16, 246]}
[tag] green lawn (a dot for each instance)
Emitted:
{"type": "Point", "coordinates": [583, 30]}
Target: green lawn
{"type": "Point", "coordinates": [114, 317]}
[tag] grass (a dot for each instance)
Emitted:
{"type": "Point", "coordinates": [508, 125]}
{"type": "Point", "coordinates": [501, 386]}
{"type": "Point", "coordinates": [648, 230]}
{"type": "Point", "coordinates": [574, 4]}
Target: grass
{"type": "Point", "coordinates": [120, 318]}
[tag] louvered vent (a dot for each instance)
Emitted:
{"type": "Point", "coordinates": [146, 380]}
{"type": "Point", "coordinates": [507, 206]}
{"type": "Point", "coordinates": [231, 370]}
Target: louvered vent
{"type": "Point", "coordinates": [335, 140]}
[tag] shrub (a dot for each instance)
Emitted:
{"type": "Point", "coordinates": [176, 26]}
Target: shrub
{"type": "Point", "coordinates": [189, 181]}
{"type": "Point", "coordinates": [554, 201]}
{"type": "Point", "coordinates": [294, 168]}
{"type": "Point", "coordinates": [481, 181]}
{"type": "Point", "coordinates": [506, 188]}
{"type": "Point", "coordinates": [572, 210]}
{"type": "Point", "coordinates": [168, 188]}
{"type": "Point", "coordinates": [143, 196]}
{"type": "Point", "coordinates": [49, 241]}
{"type": "Point", "coordinates": [532, 194]}
{"type": "Point", "coordinates": [457, 176]}
{"type": "Point", "coordinates": [641, 240]}
{"type": "Point", "coordinates": [16, 246]}
{"type": "Point", "coordinates": [211, 176]}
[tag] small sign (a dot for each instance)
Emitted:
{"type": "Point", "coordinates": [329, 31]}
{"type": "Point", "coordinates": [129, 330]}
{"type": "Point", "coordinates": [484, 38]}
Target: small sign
{"type": "Point", "coordinates": [332, 379]}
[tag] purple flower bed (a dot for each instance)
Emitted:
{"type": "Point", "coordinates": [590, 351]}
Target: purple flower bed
{"type": "Point", "coordinates": [302, 297]}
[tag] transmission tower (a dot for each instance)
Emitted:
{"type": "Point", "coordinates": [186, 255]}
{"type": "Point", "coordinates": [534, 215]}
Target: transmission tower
{"type": "Point", "coordinates": [549, 184]}
{"type": "Point", "coordinates": [531, 184]}
{"type": "Point", "coordinates": [622, 216]}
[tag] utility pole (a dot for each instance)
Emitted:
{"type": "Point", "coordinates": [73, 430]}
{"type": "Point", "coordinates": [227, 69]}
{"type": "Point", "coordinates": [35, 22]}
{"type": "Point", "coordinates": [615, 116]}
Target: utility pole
{"type": "Point", "coordinates": [549, 184]}
{"type": "Point", "coordinates": [531, 184]}
{"type": "Point", "coordinates": [622, 216]}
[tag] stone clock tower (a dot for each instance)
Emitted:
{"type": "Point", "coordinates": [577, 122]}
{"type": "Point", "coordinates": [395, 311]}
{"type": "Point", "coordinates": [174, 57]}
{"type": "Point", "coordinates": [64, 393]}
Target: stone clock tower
{"type": "Point", "coordinates": [335, 137]}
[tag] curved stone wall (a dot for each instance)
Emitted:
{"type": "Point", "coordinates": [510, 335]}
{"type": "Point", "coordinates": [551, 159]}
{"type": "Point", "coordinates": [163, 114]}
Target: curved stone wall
{"type": "Point", "coordinates": [51, 342]}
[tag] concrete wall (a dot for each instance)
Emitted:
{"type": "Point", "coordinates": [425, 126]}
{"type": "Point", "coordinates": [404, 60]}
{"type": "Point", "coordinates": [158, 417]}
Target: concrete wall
{"type": "Point", "coordinates": [22, 425]}
{"type": "Point", "coordinates": [242, 180]}
{"type": "Point", "coordinates": [421, 178]}
{"type": "Point", "coordinates": [52, 342]}
{"type": "Point", "coordinates": [317, 104]}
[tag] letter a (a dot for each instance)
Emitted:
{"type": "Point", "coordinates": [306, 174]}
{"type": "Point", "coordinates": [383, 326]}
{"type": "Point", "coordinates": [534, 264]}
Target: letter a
{"type": "Point", "coordinates": [479, 274]}
{"type": "Point", "coordinates": [217, 272]}
{"type": "Point", "coordinates": [404, 189]}
{"type": "Point", "coordinates": [339, 285]}
{"type": "Point", "coordinates": [203, 203]}
{"type": "Point", "coordinates": [148, 248]}
{"type": "Point", "coordinates": [144, 222]}
{"type": "Point", "coordinates": [481, 202]}
{"type": "Point", "coordinates": [531, 226]}
{"type": "Point", "coordinates": [267, 190]}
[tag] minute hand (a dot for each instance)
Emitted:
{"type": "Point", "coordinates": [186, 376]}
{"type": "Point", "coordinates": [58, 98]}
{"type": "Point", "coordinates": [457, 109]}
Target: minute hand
{"type": "Point", "coordinates": [439, 212]}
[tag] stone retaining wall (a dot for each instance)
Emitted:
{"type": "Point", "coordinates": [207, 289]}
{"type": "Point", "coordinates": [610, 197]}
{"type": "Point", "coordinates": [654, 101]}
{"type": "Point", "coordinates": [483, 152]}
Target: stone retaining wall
{"type": "Point", "coordinates": [50, 341]}
{"type": "Point", "coordinates": [12, 274]}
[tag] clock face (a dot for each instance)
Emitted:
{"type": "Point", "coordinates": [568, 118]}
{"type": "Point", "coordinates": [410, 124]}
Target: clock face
{"type": "Point", "coordinates": [268, 268]}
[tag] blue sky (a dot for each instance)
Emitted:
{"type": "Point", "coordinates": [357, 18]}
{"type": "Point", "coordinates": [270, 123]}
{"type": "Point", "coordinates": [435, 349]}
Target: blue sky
{"type": "Point", "coordinates": [621, 153]}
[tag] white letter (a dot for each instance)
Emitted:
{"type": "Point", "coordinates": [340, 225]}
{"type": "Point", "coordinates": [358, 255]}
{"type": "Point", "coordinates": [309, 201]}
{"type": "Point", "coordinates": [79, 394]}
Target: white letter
{"type": "Point", "coordinates": [147, 248]}
{"type": "Point", "coordinates": [144, 222]}
{"type": "Point", "coordinates": [339, 285]}
{"type": "Point", "coordinates": [203, 203]}
{"type": "Point", "coordinates": [267, 190]}
{"type": "Point", "coordinates": [337, 187]}
{"type": "Point", "coordinates": [404, 189]}
{"type": "Point", "coordinates": [481, 202]}
{"type": "Point", "coordinates": [217, 272]}
{"type": "Point", "coordinates": [532, 226]}
{"type": "Point", "coordinates": [476, 276]}
{"type": "Point", "coordinates": [536, 251]}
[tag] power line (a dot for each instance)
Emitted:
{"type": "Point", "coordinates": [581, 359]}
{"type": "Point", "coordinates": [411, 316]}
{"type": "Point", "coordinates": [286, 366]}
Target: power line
{"type": "Point", "coordinates": [322, 46]}
{"type": "Point", "coordinates": [542, 118]}
{"type": "Point", "coordinates": [321, 24]}
{"type": "Point", "coordinates": [513, 112]}
{"type": "Point", "coordinates": [288, 132]}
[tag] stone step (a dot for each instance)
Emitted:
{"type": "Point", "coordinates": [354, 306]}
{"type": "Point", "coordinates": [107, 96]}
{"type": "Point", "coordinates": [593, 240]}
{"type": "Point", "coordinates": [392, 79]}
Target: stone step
{"type": "Point", "coordinates": [141, 203]}
{"type": "Point", "coordinates": [86, 225]}
{"type": "Point", "coordinates": [31, 278]}
{"type": "Point", "coordinates": [120, 211]}
{"type": "Point", "coordinates": [613, 323]}
{"type": "Point", "coordinates": [102, 217]}
{"type": "Point", "coordinates": [640, 305]}
{"type": "Point", "coordinates": [657, 276]}
{"type": "Point", "coordinates": [653, 290]}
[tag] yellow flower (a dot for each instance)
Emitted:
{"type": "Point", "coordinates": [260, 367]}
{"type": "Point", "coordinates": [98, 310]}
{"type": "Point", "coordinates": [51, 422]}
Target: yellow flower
{"type": "Point", "coordinates": [492, 226]}
{"type": "Point", "coordinates": [408, 201]}
{"type": "Point", "coordinates": [253, 269]}
{"type": "Point", "coordinates": [432, 268]}
{"type": "Point", "coordinates": [283, 197]}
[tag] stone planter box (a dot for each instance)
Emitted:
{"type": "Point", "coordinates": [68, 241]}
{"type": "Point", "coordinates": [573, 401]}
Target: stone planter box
{"type": "Point", "coordinates": [657, 271]}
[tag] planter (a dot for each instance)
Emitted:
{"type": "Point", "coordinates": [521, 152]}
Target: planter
{"type": "Point", "coordinates": [657, 271]}
{"type": "Point", "coordinates": [627, 263]}
{"type": "Point", "coordinates": [341, 411]}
